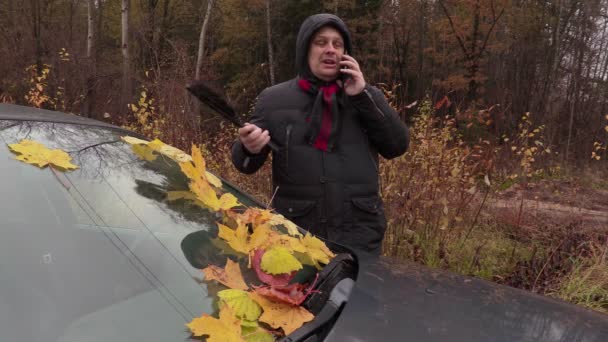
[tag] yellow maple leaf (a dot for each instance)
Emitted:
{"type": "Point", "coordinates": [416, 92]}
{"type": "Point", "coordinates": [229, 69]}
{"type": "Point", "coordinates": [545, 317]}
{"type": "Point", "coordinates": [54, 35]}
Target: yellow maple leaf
{"type": "Point", "coordinates": [225, 329]}
{"type": "Point", "coordinates": [196, 168]}
{"type": "Point", "coordinates": [316, 250]}
{"type": "Point", "coordinates": [167, 150]}
{"type": "Point", "coordinates": [255, 216]}
{"type": "Point", "coordinates": [282, 240]}
{"type": "Point", "coordinates": [140, 145]}
{"type": "Point", "coordinates": [241, 304]}
{"type": "Point", "coordinates": [230, 275]}
{"type": "Point", "coordinates": [240, 240]}
{"type": "Point", "coordinates": [207, 195]}
{"type": "Point", "coordinates": [281, 315]}
{"type": "Point", "coordinates": [236, 238]}
{"type": "Point", "coordinates": [35, 153]}
{"type": "Point", "coordinates": [279, 260]}
{"type": "Point", "coordinates": [278, 219]}
{"type": "Point", "coordinates": [144, 152]}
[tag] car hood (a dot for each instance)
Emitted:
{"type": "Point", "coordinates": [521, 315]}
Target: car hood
{"type": "Point", "coordinates": [397, 301]}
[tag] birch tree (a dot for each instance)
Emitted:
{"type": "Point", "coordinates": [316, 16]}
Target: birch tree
{"type": "Point", "coordinates": [126, 67]}
{"type": "Point", "coordinates": [201, 41]}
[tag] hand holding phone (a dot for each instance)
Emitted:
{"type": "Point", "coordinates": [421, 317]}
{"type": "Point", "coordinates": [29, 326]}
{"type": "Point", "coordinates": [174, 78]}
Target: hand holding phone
{"type": "Point", "coordinates": [351, 76]}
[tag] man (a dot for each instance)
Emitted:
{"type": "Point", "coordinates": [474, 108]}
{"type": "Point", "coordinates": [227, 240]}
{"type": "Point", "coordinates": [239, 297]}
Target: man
{"type": "Point", "coordinates": [329, 126]}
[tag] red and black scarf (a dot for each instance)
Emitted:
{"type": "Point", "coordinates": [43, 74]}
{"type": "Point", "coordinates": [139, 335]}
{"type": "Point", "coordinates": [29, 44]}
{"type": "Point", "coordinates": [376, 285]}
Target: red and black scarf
{"type": "Point", "coordinates": [324, 116]}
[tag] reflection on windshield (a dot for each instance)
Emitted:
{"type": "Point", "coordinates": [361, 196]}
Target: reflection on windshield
{"type": "Point", "coordinates": [96, 254]}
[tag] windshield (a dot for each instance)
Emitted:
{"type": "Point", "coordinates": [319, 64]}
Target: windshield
{"type": "Point", "coordinates": [97, 254]}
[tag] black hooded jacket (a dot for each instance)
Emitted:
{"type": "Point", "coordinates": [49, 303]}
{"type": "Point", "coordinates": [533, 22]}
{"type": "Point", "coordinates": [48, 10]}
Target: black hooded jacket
{"type": "Point", "coordinates": [333, 194]}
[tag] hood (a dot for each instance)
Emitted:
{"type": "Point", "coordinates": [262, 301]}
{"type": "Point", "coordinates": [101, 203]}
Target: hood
{"type": "Point", "coordinates": [308, 29]}
{"type": "Point", "coordinates": [400, 301]}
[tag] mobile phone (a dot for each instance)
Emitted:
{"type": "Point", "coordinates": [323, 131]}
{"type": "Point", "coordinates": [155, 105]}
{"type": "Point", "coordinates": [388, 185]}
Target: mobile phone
{"type": "Point", "coordinates": [343, 76]}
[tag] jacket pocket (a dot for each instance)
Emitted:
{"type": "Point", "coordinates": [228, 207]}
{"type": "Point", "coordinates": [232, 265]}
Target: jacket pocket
{"type": "Point", "coordinates": [365, 224]}
{"type": "Point", "coordinates": [301, 212]}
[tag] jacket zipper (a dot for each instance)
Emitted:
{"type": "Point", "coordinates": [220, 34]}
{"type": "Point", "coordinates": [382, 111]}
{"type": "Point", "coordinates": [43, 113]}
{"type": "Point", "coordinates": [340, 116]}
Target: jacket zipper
{"type": "Point", "coordinates": [374, 102]}
{"type": "Point", "coordinates": [287, 138]}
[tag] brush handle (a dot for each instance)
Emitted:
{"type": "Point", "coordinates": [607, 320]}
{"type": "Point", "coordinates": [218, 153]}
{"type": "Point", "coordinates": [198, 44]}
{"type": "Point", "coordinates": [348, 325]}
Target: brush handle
{"type": "Point", "coordinates": [273, 146]}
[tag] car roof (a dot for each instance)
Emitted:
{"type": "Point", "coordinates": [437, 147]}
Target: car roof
{"type": "Point", "coordinates": [23, 113]}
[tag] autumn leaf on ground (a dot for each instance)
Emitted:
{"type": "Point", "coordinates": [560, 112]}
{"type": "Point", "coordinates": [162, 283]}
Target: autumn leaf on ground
{"type": "Point", "coordinates": [280, 315]}
{"type": "Point", "coordinates": [225, 329]}
{"type": "Point", "coordinates": [239, 238]}
{"type": "Point", "coordinates": [230, 275]}
{"type": "Point", "coordinates": [273, 280]}
{"type": "Point", "coordinates": [242, 306]}
{"type": "Point", "coordinates": [35, 153]}
{"type": "Point", "coordinates": [292, 229]}
{"type": "Point", "coordinates": [279, 260]}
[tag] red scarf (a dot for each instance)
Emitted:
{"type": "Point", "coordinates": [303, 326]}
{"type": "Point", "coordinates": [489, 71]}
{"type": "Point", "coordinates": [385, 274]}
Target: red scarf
{"type": "Point", "coordinates": [324, 116]}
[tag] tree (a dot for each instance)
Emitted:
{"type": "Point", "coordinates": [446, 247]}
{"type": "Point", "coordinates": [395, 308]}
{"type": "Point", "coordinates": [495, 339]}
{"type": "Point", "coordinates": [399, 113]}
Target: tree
{"type": "Point", "coordinates": [269, 40]}
{"type": "Point", "coordinates": [201, 40]}
{"type": "Point", "coordinates": [126, 61]}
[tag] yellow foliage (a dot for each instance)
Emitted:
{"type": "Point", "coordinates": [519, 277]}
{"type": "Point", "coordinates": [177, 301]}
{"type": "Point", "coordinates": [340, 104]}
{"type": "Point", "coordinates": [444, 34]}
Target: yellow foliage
{"type": "Point", "coordinates": [241, 304]}
{"type": "Point", "coordinates": [229, 276]}
{"type": "Point", "coordinates": [279, 260]}
{"type": "Point", "coordinates": [281, 315]}
{"type": "Point", "coordinates": [225, 329]}
{"type": "Point", "coordinates": [35, 153]}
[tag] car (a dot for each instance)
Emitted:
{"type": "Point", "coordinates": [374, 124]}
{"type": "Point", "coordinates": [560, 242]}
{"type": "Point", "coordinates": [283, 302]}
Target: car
{"type": "Point", "coordinates": [99, 254]}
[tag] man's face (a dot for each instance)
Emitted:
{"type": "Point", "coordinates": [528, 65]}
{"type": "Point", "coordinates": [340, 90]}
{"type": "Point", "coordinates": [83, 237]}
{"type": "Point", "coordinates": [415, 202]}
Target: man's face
{"type": "Point", "coordinates": [325, 51]}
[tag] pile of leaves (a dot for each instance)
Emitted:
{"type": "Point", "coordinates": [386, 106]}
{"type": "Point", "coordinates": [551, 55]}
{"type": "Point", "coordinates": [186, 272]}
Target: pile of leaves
{"type": "Point", "coordinates": [272, 246]}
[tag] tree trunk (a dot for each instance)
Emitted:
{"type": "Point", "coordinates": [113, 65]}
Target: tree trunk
{"type": "Point", "coordinates": [90, 27]}
{"type": "Point", "coordinates": [126, 67]}
{"type": "Point", "coordinates": [89, 86]}
{"type": "Point", "coordinates": [36, 17]}
{"type": "Point", "coordinates": [269, 39]}
{"type": "Point", "coordinates": [201, 41]}
{"type": "Point", "coordinates": [163, 28]}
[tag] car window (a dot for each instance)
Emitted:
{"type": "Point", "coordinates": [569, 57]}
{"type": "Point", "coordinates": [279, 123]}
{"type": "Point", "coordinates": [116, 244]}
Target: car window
{"type": "Point", "coordinates": [98, 254]}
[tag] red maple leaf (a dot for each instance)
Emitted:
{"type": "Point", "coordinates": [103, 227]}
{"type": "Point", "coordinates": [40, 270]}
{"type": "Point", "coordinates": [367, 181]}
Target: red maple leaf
{"type": "Point", "coordinates": [280, 280]}
{"type": "Point", "coordinates": [293, 294]}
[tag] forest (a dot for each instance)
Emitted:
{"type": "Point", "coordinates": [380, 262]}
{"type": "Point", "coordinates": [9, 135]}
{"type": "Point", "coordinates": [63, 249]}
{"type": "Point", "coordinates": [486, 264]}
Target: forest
{"type": "Point", "coordinates": [507, 101]}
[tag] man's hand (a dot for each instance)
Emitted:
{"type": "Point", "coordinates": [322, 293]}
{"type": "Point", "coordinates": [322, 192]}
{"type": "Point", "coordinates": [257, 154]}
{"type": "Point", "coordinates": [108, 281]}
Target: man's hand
{"type": "Point", "coordinates": [253, 138]}
{"type": "Point", "coordinates": [355, 84]}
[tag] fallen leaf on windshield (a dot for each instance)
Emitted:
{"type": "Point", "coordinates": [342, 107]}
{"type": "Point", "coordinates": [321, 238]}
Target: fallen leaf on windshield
{"type": "Point", "coordinates": [169, 151]}
{"type": "Point", "coordinates": [316, 250]}
{"type": "Point", "coordinates": [279, 260]}
{"type": "Point", "coordinates": [35, 153]}
{"type": "Point", "coordinates": [196, 169]}
{"type": "Point", "coordinates": [273, 280]}
{"type": "Point", "coordinates": [230, 275]}
{"type": "Point", "coordinates": [144, 152]}
{"type": "Point", "coordinates": [292, 229]}
{"type": "Point", "coordinates": [207, 195]}
{"type": "Point", "coordinates": [240, 303]}
{"type": "Point", "coordinates": [240, 240]}
{"type": "Point", "coordinates": [281, 315]}
{"type": "Point", "coordinates": [254, 216]}
{"type": "Point", "coordinates": [257, 335]}
{"type": "Point", "coordinates": [142, 148]}
{"type": "Point", "coordinates": [225, 329]}
{"type": "Point", "coordinates": [293, 294]}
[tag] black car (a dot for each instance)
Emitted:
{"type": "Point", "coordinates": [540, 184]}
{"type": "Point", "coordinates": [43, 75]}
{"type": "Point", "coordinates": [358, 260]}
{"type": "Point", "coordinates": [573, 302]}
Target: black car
{"type": "Point", "coordinates": [98, 254]}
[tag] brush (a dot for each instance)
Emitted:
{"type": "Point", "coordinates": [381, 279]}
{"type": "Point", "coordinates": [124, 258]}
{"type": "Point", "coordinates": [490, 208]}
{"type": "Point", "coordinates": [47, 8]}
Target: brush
{"type": "Point", "coordinates": [204, 93]}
